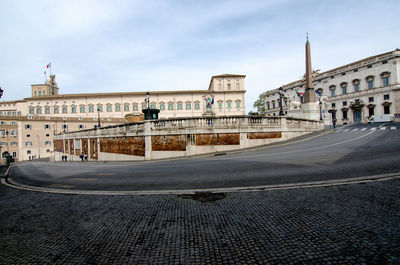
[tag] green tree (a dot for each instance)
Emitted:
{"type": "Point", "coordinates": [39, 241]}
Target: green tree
{"type": "Point", "coordinates": [260, 104]}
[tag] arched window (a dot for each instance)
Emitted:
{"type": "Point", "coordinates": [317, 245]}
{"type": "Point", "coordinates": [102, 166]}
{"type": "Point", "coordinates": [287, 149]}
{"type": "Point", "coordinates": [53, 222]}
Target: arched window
{"type": "Point", "coordinates": [109, 108]}
{"type": "Point", "coordinates": [385, 78]}
{"type": "Point", "coordinates": [268, 106]}
{"type": "Point", "coordinates": [117, 107]}
{"type": "Point", "coordinates": [370, 81]}
{"type": "Point", "coordinates": [38, 110]}
{"type": "Point", "coordinates": [333, 90]}
{"type": "Point", "coordinates": [126, 107]}
{"type": "Point", "coordinates": [238, 103]}
{"type": "Point", "coordinates": [356, 85]}
{"type": "Point", "coordinates": [179, 106]}
{"type": "Point", "coordinates": [229, 104]}
{"type": "Point", "coordinates": [188, 105]}
{"type": "Point", "coordinates": [82, 108]}
{"type": "Point", "coordinates": [344, 88]}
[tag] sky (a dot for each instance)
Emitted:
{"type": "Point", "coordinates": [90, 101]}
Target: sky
{"type": "Point", "coordinates": [99, 46]}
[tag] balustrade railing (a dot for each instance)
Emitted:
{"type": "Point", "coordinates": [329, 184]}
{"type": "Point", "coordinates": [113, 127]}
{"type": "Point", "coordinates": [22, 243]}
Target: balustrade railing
{"type": "Point", "coordinates": [200, 123]}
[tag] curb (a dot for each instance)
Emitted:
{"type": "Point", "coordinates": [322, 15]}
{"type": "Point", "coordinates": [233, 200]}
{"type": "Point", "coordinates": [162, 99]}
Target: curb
{"type": "Point", "coordinates": [315, 184]}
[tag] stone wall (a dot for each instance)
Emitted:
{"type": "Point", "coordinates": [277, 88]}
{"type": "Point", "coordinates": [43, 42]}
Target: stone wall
{"type": "Point", "coordinates": [162, 139]}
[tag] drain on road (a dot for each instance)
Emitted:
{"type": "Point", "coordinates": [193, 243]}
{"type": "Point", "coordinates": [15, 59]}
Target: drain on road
{"type": "Point", "coordinates": [204, 196]}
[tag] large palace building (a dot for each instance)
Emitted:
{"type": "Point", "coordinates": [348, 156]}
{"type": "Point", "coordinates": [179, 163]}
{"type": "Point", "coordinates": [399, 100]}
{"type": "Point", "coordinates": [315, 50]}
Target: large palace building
{"type": "Point", "coordinates": [27, 126]}
{"type": "Point", "coordinates": [352, 93]}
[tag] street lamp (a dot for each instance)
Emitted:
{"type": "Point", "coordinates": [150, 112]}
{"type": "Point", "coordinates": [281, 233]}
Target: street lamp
{"type": "Point", "coordinates": [1, 92]}
{"type": "Point", "coordinates": [98, 117]}
{"type": "Point", "coordinates": [147, 100]}
{"type": "Point", "coordinates": [280, 102]}
{"type": "Point", "coordinates": [320, 109]}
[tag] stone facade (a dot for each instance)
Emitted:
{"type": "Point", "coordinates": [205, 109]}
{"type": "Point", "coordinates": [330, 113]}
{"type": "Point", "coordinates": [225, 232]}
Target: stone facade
{"type": "Point", "coordinates": [351, 93]}
{"type": "Point", "coordinates": [28, 125]}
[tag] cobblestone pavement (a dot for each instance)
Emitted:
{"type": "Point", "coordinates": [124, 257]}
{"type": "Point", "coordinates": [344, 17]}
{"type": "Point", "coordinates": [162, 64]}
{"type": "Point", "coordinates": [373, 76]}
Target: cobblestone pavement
{"type": "Point", "coordinates": [352, 224]}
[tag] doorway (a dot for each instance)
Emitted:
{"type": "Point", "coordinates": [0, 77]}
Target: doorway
{"type": "Point", "coordinates": [357, 116]}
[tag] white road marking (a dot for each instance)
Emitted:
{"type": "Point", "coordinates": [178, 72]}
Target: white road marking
{"type": "Point", "coordinates": [382, 128]}
{"type": "Point", "coordinates": [393, 128]}
{"type": "Point", "coordinates": [373, 129]}
{"type": "Point", "coordinates": [363, 129]}
{"type": "Point", "coordinates": [354, 130]}
{"type": "Point", "coordinates": [346, 130]}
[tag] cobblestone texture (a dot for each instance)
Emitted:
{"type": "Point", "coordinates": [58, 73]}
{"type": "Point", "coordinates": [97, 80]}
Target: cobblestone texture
{"type": "Point", "coordinates": [354, 224]}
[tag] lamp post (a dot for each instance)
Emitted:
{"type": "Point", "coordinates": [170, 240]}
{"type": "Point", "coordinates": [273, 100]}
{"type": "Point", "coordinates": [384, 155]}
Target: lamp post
{"type": "Point", "coordinates": [320, 109]}
{"type": "Point", "coordinates": [98, 117]}
{"type": "Point", "coordinates": [38, 138]}
{"type": "Point", "coordinates": [64, 126]}
{"type": "Point", "coordinates": [1, 92]}
{"type": "Point", "coordinates": [280, 102]}
{"type": "Point", "coordinates": [147, 100]}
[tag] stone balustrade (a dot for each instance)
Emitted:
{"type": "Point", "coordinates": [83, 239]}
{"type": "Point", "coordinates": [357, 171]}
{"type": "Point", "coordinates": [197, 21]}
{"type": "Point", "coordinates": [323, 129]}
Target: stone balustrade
{"type": "Point", "coordinates": [158, 139]}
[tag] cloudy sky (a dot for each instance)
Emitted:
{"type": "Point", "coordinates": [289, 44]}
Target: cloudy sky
{"type": "Point", "coordinates": [148, 45]}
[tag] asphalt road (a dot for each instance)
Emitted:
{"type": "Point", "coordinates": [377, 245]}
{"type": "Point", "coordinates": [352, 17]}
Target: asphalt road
{"type": "Point", "coordinates": [352, 151]}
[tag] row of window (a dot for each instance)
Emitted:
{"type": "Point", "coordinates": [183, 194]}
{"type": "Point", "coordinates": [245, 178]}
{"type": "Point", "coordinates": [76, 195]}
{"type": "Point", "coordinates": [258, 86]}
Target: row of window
{"type": "Point", "coordinates": [357, 101]}
{"type": "Point", "coordinates": [11, 123]}
{"type": "Point", "coordinates": [117, 108]}
{"type": "Point", "coordinates": [5, 133]}
{"type": "Point", "coordinates": [371, 111]}
{"type": "Point", "coordinates": [356, 84]}
{"type": "Point", "coordinates": [30, 152]}
{"type": "Point", "coordinates": [11, 143]}
{"type": "Point", "coordinates": [10, 113]}
{"type": "Point", "coordinates": [47, 127]}
{"type": "Point", "coordinates": [28, 143]}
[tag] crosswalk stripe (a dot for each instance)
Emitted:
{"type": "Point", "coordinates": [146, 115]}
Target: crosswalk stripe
{"type": "Point", "coordinates": [363, 129]}
{"type": "Point", "coordinates": [346, 130]}
{"type": "Point", "coordinates": [382, 128]}
{"type": "Point", "coordinates": [354, 130]}
{"type": "Point", "coordinates": [372, 129]}
{"type": "Point", "coordinates": [393, 128]}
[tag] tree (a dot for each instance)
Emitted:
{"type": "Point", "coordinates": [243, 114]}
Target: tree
{"type": "Point", "coordinates": [260, 104]}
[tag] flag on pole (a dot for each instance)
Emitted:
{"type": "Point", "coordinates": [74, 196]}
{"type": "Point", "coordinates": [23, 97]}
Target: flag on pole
{"type": "Point", "coordinates": [299, 94]}
{"type": "Point", "coordinates": [48, 66]}
{"type": "Point", "coordinates": [316, 91]}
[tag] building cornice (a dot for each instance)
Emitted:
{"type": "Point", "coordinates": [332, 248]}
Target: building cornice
{"type": "Point", "coordinates": [119, 94]}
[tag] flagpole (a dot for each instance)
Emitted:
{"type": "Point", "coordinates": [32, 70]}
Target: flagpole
{"type": "Point", "coordinates": [45, 76]}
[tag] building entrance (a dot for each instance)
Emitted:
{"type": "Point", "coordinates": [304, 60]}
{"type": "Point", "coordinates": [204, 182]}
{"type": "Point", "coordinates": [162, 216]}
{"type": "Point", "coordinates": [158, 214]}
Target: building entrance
{"type": "Point", "coordinates": [357, 116]}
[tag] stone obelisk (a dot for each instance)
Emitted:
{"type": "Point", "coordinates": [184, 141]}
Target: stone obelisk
{"type": "Point", "coordinates": [310, 105]}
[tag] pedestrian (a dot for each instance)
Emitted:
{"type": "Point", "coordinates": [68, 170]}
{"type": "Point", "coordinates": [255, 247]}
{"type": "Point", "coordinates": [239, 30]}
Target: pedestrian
{"type": "Point", "coordinates": [30, 158]}
{"type": "Point", "coordinates": [62, 158]}
{"type": "Point", "coordinates": [81, 156]}
{"type": "Point", "coordinates": [66, 158]}
{"type": "Point", "coordinates": [334, 123]}
{"type": "Point", "coordinates": [86, 157]}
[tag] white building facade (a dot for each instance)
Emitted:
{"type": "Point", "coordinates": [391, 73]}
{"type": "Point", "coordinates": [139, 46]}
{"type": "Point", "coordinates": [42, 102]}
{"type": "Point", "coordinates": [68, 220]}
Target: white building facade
{"type": "Point", "coordinates": [27, 126]}
{"type": "Point", "coordinates": [349, 94]}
